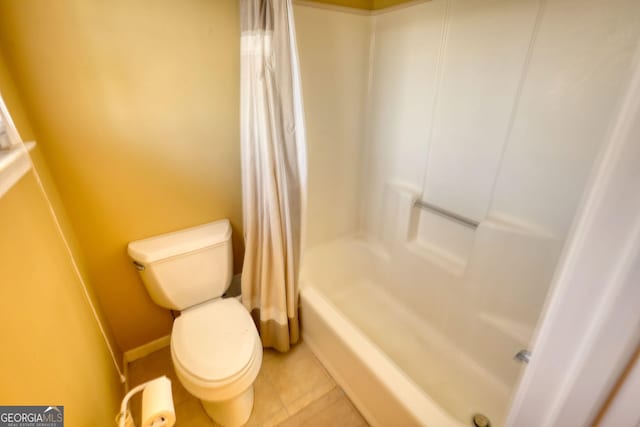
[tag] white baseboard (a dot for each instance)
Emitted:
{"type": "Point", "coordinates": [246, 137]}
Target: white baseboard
{"type": "Point", "coordinates": [146, 349]}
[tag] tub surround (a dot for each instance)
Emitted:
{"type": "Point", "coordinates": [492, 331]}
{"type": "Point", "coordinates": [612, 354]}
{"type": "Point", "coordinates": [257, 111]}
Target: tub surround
{"type": "Point", "coordinates": [505, 133]}
{"type": "Point", "coordinates": [333, 49]}
{"type": "Point", "coordinates": [378, 387]}
{"type": "Point", "coordinates": [430, 351]}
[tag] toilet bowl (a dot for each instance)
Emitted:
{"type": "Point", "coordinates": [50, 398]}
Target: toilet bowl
{"type": "Point", "coordinates": [215, 347]}
{"type": "Point", "coordinates": [217, 354]}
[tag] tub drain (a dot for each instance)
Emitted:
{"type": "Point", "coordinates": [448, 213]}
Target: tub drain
{"type": "Point", "coordinates": [480, 420]}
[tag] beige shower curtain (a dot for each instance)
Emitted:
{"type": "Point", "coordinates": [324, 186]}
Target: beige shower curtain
{"type": "Point", "coordinates": [273, 169]}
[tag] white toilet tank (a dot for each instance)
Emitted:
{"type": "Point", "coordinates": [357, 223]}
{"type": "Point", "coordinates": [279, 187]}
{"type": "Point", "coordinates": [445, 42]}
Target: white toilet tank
{"type": "Point", "coordinates": [186, 267]}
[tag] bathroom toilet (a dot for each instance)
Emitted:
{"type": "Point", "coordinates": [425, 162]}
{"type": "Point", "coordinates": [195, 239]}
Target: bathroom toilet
{"type": "Point", "coordinates": [215, 347]}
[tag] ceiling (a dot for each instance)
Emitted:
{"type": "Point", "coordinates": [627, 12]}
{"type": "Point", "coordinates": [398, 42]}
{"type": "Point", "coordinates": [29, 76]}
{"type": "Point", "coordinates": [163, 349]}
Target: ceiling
{"type": "Point", "coordinates": [363, 4]}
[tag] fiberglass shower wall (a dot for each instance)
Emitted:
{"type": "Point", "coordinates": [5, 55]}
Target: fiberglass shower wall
{"type": "Point", "coordinates": [334, 54]}
{"type": "Point", "coordinates": [494, 110]}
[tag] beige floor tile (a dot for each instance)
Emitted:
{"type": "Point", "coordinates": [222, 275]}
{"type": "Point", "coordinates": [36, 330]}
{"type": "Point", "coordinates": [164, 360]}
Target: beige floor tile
{"type": "Point", "coordinates": [291, 389]}
{"type": "Point", "coordinates": [190, 413]}
{"type": "Point", "coordinates": [298, 377]}
{"type": "Point", "coordinates": [149, 367]}
{"type": "Point", "coordinates": [266, 403]}
{"type": "Point", "coordinates": [332, 409]}
{"type": "Point", "coordinates": [341, 413]}
{"type": "Point", "coordinates": [270, 421]}
{"type": "Point", "coordinates": [316, 406]}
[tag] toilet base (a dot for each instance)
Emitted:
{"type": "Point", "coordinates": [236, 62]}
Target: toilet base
{"type": "Point", "coordinates": [233, 412]}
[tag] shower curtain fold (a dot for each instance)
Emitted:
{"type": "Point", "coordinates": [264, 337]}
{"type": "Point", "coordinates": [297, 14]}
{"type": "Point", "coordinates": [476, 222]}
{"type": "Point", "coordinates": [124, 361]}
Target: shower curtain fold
{"type": "Point", "coordinates": [273, 169]}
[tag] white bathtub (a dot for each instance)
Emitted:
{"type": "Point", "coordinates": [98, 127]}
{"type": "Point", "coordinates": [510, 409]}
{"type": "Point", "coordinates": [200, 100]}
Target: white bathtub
{"type": "Point", "coordinates": [380, 390]}
{"type": "Point", "coordinates": [410, 342]}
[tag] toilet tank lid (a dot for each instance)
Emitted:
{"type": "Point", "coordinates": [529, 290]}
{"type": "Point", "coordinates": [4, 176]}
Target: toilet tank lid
{"type": "Point", "coordinates": [180, 242]}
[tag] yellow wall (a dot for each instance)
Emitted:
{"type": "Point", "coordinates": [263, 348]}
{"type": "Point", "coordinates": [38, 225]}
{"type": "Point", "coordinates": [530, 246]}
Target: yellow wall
{"type": "Point", "coordinates": [14, 103]}
{"type": "Point", "coordinates": [52, 350]}
{"type": "Point", "coordinates": [135, 106]}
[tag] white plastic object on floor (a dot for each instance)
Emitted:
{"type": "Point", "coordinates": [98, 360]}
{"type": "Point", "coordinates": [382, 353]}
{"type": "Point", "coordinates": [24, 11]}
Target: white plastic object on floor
{"type": "Point", "coordinates": [157, 405]}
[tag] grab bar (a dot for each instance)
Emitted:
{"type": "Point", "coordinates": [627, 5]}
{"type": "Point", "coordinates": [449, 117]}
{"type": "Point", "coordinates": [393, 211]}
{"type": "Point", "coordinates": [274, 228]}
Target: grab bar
{"type": "Point", "coordinates": [447, 214]}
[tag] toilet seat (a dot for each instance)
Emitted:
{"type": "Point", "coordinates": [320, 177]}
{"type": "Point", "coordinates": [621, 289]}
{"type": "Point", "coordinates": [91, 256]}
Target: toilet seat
{"type": "Point", "coordinates": [216, 349]}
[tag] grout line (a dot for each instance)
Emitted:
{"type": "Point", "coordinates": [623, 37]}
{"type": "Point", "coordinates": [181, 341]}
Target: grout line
{"type": "Point", "coordinates": [279, 399]}
{"type": "Point", "coordinates": [299, 410]}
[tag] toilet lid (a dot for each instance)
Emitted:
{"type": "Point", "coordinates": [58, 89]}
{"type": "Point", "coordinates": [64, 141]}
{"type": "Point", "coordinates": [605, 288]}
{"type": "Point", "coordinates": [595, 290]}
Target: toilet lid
{"type": "Point", "coordinates": [214, 340]}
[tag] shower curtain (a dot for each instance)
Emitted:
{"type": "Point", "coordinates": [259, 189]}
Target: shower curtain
{"type": "Point", "coordinates": [273, 169]}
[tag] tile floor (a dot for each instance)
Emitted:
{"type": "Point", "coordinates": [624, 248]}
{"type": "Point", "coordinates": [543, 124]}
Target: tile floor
{"type": "Point", "coordinates": [292, 389]}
